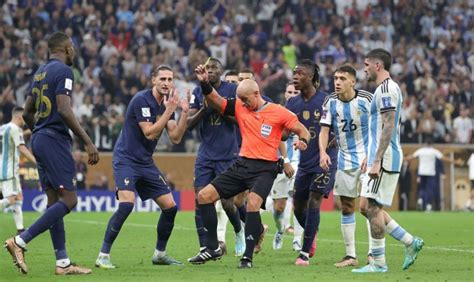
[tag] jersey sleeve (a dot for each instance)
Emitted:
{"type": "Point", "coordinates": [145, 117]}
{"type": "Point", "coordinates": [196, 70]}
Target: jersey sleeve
{"type": "Point", "coordinates": [288, 118]}
{"type": "Point", "coordinates": [229, 107]}
{"type": "Point", "coordinates": [194, 103]}
{"type": "Point", "coordinates": [17, 136]}
{"type": "Point", "coordinates": [388, 100]}
{"type": "Point", "coordinates": [64, 82]}
{"type": "Point", "coordinates": [438, 154]}
{"type": "Point", "coordinates": [326, 117]}
{"type": "Point", "coordinates": [141, 110]}
{"type": "Point", "coordinates": [416, 154]}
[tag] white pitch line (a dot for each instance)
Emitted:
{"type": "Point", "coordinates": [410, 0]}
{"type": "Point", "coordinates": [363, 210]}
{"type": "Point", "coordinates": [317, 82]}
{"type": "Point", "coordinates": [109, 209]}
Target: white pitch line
{"type": "Point", "coordinates": [180, 227]}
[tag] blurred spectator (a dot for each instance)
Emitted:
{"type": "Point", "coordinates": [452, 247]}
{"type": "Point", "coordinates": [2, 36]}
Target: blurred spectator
{"type": "Point", "coordinates": [462, 126]}
{"type": "Point", "coordinates": [81, 170]}
{"type": "Point", "coordinates": [100, 182]}
{"type": "Point", "coordinates": [118, 43]}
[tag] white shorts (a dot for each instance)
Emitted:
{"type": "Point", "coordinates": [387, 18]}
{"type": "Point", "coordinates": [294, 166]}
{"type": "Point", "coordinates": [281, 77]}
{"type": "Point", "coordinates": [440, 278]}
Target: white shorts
{"type": "Point", "coordinates": [381, 189]}
{"type": "Point", "coordinates": [347, 182]}
{"type": "Point", "coordinates": [282, 186]}
{"type": "Point", "coordinates": [10, 187]}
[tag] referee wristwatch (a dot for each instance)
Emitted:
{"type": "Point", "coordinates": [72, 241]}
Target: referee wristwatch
{"type": "Point", "coordinates": [286, 160]}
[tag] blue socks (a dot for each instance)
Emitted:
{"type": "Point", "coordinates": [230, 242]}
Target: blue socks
{"type": "Point", "coordinates": [310, 228]}
{"type": "Point", "coordinates": [209, 219]}
{"type": "Point", "coordinates": [51, 217]}
{"type": "Point", "coordinates": [165, 227]}
{"type": "Point", "coordinates": [200, 226]}
{"type": "Point", "coordinates": [114, 226]}
{"type": "Point", "coordinates": [58, 236]}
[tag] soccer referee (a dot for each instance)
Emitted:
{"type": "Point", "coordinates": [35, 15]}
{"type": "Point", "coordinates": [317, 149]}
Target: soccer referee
{"type": "Point", "coordinates": [261, 125]}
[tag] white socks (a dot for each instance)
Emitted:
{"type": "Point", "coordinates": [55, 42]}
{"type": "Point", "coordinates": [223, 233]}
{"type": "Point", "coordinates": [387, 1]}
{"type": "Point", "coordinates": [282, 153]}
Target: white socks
{"type": "Point", "coordinates": [348, 226]}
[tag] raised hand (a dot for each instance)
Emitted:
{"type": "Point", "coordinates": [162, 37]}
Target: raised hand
{"type": "Point", "coordinates": [201, 73]}
{"type": "Point", "coordinates": [171, 100]}
{"type": "Point", "coordinates": [184, 102]}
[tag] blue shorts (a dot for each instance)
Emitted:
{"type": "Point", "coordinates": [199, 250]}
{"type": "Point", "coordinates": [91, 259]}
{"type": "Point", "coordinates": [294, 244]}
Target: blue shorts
{"type": "Point", "coordinates": [205, 171]}
{"type": "Point", "coordinates": [54, 160]}
{"type": "Point", "coordinates": [147, 181]}
{"type": "Point", "coordinates": [322, 182]}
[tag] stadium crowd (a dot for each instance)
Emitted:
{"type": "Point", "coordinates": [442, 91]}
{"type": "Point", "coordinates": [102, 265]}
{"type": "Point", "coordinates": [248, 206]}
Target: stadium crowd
{"type": "Point", "coordinates": [119, 42]}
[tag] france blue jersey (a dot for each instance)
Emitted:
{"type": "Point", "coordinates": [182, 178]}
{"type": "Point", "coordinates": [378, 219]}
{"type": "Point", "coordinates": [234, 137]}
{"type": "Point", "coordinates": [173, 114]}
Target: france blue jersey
{"type": "Point", "coordinates": [350, 122]}
{"type": "Point", "coordinates": [387, 97]}
{"type": "Point", "coordinates": [309, 114]}
{"type": "Point", "coordinates": [132, 146]}
{"type": "Point", "coordinates": [53, 78]}
{"type": "Point", "coordinates": [218, 135]}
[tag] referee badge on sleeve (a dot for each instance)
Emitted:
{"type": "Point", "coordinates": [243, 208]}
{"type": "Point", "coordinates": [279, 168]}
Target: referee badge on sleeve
{"type": "Point", "coordinates": [266, 130]}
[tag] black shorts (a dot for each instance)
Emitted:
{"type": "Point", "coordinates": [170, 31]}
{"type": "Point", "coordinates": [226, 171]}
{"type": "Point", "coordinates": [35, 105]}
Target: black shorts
{"type": "Point", "coordinates": [246, 174]}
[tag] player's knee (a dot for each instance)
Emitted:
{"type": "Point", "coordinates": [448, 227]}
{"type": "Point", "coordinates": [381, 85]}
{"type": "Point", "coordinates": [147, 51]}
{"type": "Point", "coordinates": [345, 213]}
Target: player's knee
{"type": "Point", "coordinates": [279, 205]}
{"type": "Point", "coordinates": [70, 202]}
{"type": "Point", "coordinates": [254, 202]}
{"type": "Point", "coordinates": [314, 200]}
{"type": "Point", "coordinates": [206, 196]}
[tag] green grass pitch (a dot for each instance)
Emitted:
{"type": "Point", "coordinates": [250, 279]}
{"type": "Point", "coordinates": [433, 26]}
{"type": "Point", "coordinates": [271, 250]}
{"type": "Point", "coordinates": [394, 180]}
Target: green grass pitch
{"type": "Point", "coordinates": [448, 253]}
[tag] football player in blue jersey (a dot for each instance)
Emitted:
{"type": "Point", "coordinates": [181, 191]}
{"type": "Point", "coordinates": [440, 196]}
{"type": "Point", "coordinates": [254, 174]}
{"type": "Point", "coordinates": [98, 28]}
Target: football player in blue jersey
{"type": "Point", "coordinates": [149, 113]}
{"type": "Point", "coordinates": [49, 115]}
{"type": "Point", "coordinates": [312, 182]}
{"type": "Point", "coordinates": [218, 150]}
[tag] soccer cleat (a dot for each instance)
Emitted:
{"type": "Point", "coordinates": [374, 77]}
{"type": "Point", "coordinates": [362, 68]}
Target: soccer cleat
{"type": "Point", "coordinates": [72, 269]}
{"type": "Point", "coordinates": [258, 246]}
{"type": "Point", "coordinates": [296, 246]}
{"type": "Point", "coordinates": [240, 243]}
{"type": "Point", "coordinates": [206, 255]}
{"type": "Point", "coordinates": [371, 268]}
{"type": "Point", "coordinates": [314, 246]}
{"type": "Point", "coordinates": [412, 251]}
{"type": "Point", "coordinates": [223, 247]}
{"type": "Point", "coordinates": [278, 241]}
{"type": "Point", "coordinates": [302, 260]}
{"type": "Point", "coordinates": [165, 260]}
{"type": "Point", "coordinates": [245, 263]}
{"type": "Point", "coordinates": [347, 261]}
{"type": "Point", "coordinates": [104, 262]}
{"type": "Point", "coordinates": [17, 254]}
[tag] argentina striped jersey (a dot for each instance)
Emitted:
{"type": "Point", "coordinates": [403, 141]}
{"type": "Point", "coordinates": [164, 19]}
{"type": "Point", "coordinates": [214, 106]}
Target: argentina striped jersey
{"type": "Point", "coordinates": [387, 97]}
{"type": "Point", "coordinates": [11, 136]}
{"type": "Point", "coordinates": [350, 122]}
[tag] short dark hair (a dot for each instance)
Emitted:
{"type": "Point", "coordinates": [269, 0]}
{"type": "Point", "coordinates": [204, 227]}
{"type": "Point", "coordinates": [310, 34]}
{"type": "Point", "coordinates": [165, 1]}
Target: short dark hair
{"type": "Point", "coordinates": [347, 68]}
{"type": "Point", "coordinates": [212, 59]}
{"type": "Point", "coordinates": [247, 71]}
{"type": "Point", "coordinates": [155, 72]}
{"type": "Point", "coordinates": [17, 109]}
{"type": "Point", "coordinates": [382, 55]}
{"type": "Point", "coordinates": [57, 40]}
{"type": "Point", "coordinates": [310, 65]}
{"type": "Point", "coordinates": [231, 72]}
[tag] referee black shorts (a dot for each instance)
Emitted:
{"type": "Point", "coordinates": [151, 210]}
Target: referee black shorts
{"type": "Point", "coordinates": [246, 174]}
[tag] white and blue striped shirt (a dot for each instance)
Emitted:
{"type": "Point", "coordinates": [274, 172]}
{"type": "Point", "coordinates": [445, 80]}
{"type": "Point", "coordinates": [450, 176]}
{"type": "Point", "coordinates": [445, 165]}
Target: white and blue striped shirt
{"type": "Point", "coordinates": [11, 136]}
{"type": "Point", "coordinates": [387, 97]}
{"type": "Point", "coordinates": [293, 154]}
{"type": "Point", "coordinates": [350, 122]}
